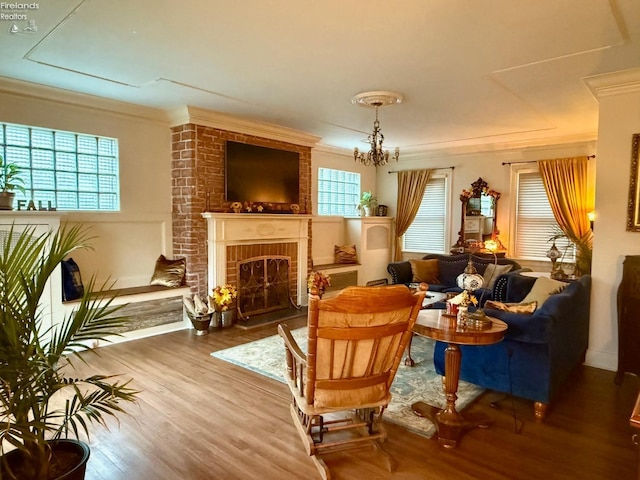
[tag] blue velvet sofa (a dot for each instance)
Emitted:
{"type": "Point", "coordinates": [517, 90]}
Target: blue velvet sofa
{"type": "Point", "coordinates": [450, 267]}
{"type": "Point", "coordinates": [539, 350]}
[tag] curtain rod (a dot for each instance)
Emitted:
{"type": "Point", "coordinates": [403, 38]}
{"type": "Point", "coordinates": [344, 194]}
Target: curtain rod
{"type": "Point", "coordinates": [437, 168]}
{"type": "Point", "coordinates": [534, 161]}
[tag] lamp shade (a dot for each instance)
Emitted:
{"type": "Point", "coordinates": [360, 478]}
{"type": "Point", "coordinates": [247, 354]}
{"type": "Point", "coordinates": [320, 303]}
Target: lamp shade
{"type": "Point", "coordinates": [470, 279]}
{"type": "Point", "coordinates": [553, 253]}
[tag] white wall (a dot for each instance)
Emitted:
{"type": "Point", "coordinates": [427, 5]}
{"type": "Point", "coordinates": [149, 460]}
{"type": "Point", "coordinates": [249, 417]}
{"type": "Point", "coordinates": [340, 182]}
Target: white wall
{"type": "Point", "coordinates": [128, 242]}
{"type": "Point", "coordinates": [619, 120]}
{"type": "Point", "coordinates": [330, 231]}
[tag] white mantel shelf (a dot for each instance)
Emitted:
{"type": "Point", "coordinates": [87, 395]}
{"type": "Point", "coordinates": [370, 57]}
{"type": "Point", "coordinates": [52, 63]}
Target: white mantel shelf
{"type": "Point", "coordinates": [224, 229]}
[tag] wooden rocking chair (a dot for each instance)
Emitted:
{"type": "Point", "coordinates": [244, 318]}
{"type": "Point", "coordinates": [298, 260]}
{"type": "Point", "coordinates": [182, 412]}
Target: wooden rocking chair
{"type": "Point", "coordinates": [355, 343]}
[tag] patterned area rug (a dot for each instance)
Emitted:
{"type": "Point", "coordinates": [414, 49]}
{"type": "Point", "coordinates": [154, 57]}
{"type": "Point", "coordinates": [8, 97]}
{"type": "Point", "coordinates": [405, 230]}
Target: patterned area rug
{"type": "Point", "coordinates": [412, 384]}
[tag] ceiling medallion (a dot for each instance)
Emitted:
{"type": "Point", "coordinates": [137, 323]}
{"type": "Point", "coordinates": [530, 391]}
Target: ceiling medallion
{"type": "Point", "coordinates": [376, 155]}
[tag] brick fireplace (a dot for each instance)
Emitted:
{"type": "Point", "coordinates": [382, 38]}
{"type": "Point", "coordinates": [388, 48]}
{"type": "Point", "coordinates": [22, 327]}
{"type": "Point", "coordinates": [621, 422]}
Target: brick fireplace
{"type": "Point", "coordinates": [233, 237]}
{"type": "Point", "coordinates": [198, 162]}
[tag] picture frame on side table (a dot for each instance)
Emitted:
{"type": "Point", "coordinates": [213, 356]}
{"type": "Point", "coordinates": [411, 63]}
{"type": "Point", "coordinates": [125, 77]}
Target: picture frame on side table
{"type": "Point", "coordinates": [633, 212]}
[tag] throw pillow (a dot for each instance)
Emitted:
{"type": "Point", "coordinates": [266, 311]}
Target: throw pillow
{"type": "Point", "coordinates": [492, 272]}
{"type": "Point", "coordinates": [72, 287]}
{"type": "Point", "coordinates": [425, 271]}
{"type": "Point", "coordinates": [169, 273]}
{"type": "Point", "coordinates": [527, 308]}
{"type": "Point", "coordinates": [542, 289]}
{"type": "Point", "coordinates": [345, 254]}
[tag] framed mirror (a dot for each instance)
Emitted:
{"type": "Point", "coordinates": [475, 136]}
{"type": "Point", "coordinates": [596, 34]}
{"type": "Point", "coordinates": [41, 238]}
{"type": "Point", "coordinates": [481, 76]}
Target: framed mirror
{"type": "Point", "coordinates": [479, 209]}
{"type": "Point", "coordinates": [633, 208]}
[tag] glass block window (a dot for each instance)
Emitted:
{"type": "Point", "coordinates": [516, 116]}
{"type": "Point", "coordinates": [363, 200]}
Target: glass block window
{"type": "Point", "coordinates": [338, 192]}
{"type": "Point", "coordinates": [69, 171]}
{"type": "Point", "coordinates": [427, 232]}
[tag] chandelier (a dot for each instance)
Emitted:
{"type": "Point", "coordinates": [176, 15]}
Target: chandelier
{"type": "Point", "coordinates": [376, 155]}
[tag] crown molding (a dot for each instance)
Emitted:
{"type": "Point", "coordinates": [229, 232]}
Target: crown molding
{"type": "Point", "coordinates": [208, 118]}
{"type": "Point", "coordinates": [37, 91]}
{"type": "Point", "coordinates": [587, 140]}
{"type": "Point", "coordinates": [617, 83]}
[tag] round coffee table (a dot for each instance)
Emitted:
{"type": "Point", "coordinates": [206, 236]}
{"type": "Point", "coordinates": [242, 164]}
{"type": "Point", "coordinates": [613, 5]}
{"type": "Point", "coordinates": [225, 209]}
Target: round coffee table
{"type": "Point", "coordinates": [435, 324]}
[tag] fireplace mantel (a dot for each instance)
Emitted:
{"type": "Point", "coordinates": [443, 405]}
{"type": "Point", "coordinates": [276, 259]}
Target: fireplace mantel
{"type": "Point", "coordinates": [227, 229]}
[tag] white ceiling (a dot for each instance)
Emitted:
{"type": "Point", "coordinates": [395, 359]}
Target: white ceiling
{"type": "Point", "coordinates": [471, 72]}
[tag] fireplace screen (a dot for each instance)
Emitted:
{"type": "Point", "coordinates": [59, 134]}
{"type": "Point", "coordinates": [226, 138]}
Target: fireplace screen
{"type": "Point", "coordinates": [263, 284]}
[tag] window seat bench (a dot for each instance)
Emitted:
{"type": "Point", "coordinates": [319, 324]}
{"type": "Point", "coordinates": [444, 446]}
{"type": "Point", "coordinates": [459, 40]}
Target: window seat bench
{"type": "Point", "coordinates": [152, 309]}
{"type": "Point", "coordinates": [341, 275]}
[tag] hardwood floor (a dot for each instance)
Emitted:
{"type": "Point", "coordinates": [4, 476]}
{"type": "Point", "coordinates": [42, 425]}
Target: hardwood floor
{"type": "Point", "coordinates": [202, 418]}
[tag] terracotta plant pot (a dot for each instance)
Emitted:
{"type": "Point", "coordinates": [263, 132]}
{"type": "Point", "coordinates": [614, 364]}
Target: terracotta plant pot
{"type": "Point", "coordinates": [6, 200]}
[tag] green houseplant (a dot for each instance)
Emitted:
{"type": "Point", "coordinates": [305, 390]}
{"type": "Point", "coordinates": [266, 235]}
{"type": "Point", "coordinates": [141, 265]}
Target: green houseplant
{"type": "Point", "coordinates": [10, 181]}
{"type": "Point", "coordinates": [41, 397]}
{"type": "Point", "coordinates": [367, 202]}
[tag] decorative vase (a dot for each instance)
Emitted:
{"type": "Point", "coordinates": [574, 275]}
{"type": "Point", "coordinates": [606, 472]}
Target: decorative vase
{"type": "Point", "coordinates": [227, 318]}
{"type": "Point", "coordinates": [317, 291]}
{"type": "Point", "coordinates": [201, 324]}
{"type": "Point", "coordinates": [367, 210]}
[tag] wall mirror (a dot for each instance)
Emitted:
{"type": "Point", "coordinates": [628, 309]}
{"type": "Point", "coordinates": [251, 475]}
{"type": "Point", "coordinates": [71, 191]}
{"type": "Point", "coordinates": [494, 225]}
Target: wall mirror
{"type": "Point", "coordinates": [479, 211]}
{"type": "Point", "coordinates": [633, 208]}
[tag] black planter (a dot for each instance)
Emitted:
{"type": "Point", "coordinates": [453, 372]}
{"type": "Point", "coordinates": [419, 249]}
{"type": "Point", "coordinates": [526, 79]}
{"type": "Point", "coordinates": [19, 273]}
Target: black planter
{"type": "Point", "coordinates": [72, 452]}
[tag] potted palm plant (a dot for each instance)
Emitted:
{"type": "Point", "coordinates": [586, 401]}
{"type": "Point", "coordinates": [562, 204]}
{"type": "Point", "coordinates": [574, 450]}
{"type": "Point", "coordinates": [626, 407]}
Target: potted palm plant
{"type": "Point", "coordinates": [10, 180]}
{"type": "Point", "coordinates": [42, 399]}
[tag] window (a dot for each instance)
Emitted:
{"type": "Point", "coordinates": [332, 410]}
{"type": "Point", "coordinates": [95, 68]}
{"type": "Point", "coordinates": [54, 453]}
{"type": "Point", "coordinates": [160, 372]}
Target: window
{"type": "Point", "coordinates": [338, 192]}
{"type": "Point", "coordinates": [535, 223]}
{"type": "Point", "coordinates": [427, 233]}
{"type": "Point", "coordinates": [71, 171]}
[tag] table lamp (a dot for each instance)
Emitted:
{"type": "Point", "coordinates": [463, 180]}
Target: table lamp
{"type": "Point", "coordinates": [470, 279]}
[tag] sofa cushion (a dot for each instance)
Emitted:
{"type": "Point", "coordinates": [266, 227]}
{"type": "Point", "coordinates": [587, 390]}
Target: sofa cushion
{"type": "Point", "coordinates": [425, 271]}
{"type": "Point", "coordinates": [451, 267]}
{"type": "Point", "coordinates": [492, 272]}
{"type": "Point", "coordinates": [542, 289]}
{"type": "Point", "coordinates": [525, 308]}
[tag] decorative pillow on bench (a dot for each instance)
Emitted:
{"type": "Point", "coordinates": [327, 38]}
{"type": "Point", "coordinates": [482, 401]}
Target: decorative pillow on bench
{"type": "Point", "coordinates": [72, 287]}
{"type": "Point", "coordinates": [345, 254]}
{"type": "Point", "coordinates": [169, 273]}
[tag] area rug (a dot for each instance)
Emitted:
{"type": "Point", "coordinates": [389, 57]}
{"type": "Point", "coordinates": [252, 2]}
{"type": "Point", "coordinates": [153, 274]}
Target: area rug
{"type": "Point", "coordinates": [412, 384]}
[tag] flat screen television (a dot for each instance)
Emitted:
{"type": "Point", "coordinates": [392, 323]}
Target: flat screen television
{"type": "Point", "coordinates": [261, 174]}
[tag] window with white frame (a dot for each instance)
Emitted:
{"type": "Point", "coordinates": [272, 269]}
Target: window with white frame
{"type": "Point", "coordinates": [338, 192]}
{"type": "Point", "coordinates": [427, 232]}
{"type": "Point", "coordinates": [67, 170]}
{"type": "Point", "coordinates": [535, 224]}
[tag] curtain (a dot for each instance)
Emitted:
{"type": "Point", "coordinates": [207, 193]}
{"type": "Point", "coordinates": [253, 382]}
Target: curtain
{"type": "Point", "coordinates": [565, 181]}
{"type": "Point", "coordinates": [411, 185]}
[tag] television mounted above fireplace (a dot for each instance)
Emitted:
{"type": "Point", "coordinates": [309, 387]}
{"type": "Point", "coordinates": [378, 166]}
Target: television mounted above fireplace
{"type": "Point", "coordinates": [261, 174]}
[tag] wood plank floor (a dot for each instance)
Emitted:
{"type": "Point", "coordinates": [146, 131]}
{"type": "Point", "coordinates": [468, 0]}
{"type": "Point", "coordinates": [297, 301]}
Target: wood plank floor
{"type": "Point", "coordinates": [202, 418]}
